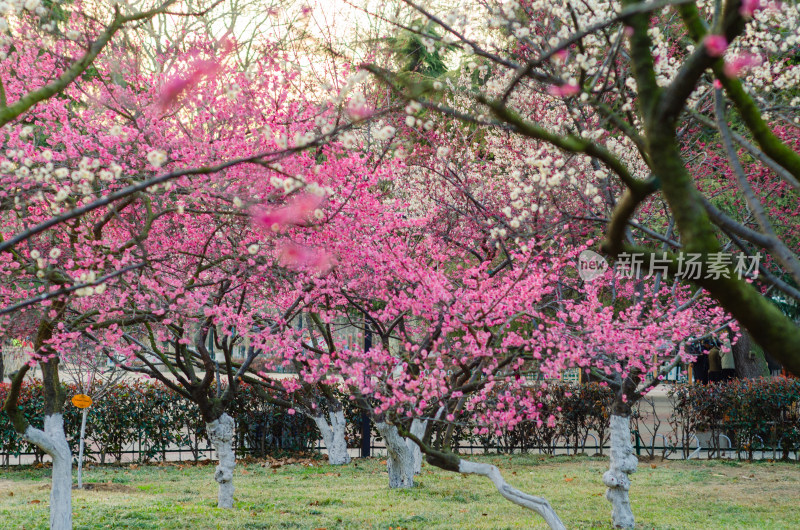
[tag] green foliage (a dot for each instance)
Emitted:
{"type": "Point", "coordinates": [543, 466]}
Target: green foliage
{"type": "Point", "coordinates": [416, 58]}
{"type": "Point", "coordinates": [668, 495]}
{"type": "Point", "coordinates": [756, 414]}
{"type": "Point", "coordinates": [576, 409]}
{"type": "Point", "coordinates": [152, 419]}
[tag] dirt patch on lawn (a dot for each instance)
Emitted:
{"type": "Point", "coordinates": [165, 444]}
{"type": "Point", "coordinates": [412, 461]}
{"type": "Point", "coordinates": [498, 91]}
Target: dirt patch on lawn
{"type": "Point", "coordinates": [93, 486]}
{"type": "Point", "coordinates": [106, 487]}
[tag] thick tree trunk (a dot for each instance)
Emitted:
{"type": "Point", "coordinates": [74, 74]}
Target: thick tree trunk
{"type": "Point", "coordinates": [400, 458]}
{"type": "Point", "coordinates": [417, 429]}
{"type": "Point", "coordinates": [53, 441]}
{"type": "Point", "coordinates": [750, 362]}
{"type": "Point", "coordinates": [333, 435]}
{"type": "Point", "coordinates": [221, 433]}
{"type": "Point", "coordinates": [623, 463]}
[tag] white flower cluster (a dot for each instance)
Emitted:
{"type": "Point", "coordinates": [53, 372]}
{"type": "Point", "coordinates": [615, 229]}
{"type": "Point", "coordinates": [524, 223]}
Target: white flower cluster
{"type": "Point", "coordinates": [40, 262]}
{"type": "Point", "coordinates": [325, 126]}
{"type": "Point", "coordinates": [349, 140]}
{"type": "Point", "coordinates": [89, 290]}
{"type": "Point", "coordinates": [412, 121]}
{"type": "Point", "coordinates": [61, 180]}
{"type": "Point", "coordinates": [303, 139]}
{"type": "Point", "coordinates": [353, 81]}
{"type": "Point", "coordinates": [773, 34]}
{"type": "Point", "coordinates": [591, 192]}
{"type": "Point", "coordinates": [290, 184]}
{"type": "Point", "coordinates": [9, 7]}
{"type": "Point", "coordinates": [157, 158]}
{"type": "Point", "coordinates": [384, 132]}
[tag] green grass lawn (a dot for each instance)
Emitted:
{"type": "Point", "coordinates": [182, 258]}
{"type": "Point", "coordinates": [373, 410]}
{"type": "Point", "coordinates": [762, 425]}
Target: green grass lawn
{"type": "Point", "coordinates": [665, 495]}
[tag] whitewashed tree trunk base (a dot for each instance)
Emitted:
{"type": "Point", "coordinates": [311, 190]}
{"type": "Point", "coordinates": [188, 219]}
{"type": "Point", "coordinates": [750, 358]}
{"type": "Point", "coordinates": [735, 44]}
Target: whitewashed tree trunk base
{"type": "Point", "coordinates": [417, 429]}
{"type": "Point", "coordinates": [53, 441]}
{"type": "Point", "coordinates": [531, 502]}
{"type": "Point", "coordinates": [220, 433]}
{"type": "Point", "coordinates": [333, 435]}
{"type": "Point", "coordinates": [399, 458]}
{"type": "Point", "coordinates": [622, 463]}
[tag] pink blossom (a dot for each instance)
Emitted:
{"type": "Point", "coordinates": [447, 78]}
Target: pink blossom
{"type": "Point", "coordinates": [296, 256]}
{"type": "Point", "coordinates": [561, 55]}
{"type": "Point", "coordinates": [565, 90]}
{"type": "Point", "coordinates": [749, 7]}
{"type": "Point", "coordinates": [359, 111]}
{"type": "Point", "coordinates": [294, 213]}
{"type": "Point", "coordinates": [177, 85]}
{"type": "Point", "coordinates": [715, 45]}
{"type": "Point", "coordinates": [741, 63]}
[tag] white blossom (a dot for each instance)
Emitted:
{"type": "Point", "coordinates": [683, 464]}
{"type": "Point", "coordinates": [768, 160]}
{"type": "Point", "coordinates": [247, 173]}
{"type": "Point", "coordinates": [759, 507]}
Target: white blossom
{"type": "Point", "coordinates": [157, 158]}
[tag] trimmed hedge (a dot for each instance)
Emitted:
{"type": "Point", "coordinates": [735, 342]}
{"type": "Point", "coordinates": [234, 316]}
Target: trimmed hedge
{"type": "Point", "coordinates": [580, 411]}
{"type": "Point", "coordinates": [758, 414]}
{"type": "Point", "coordinates": [755, 414]}
{"type": "Point", "coordinates": [152, 420]}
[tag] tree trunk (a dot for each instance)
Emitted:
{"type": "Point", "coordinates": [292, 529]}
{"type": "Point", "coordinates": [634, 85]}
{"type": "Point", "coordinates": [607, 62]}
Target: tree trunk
{"type": "Point", "coordinates": [750, 362]}
{"type": "Point", "coordinates": [417, 429]}
{"type": "Point", "coordinates": [333, 435]}
{"type": "Point", "coordinates": [623, 463]}
{"type": "Point", "coordinates": [61, 489]}
{"type": "Point", "coordinates": [220, 433]}
{"type": "Point", "coordinates": [53, 441]}
{"type": "Point", "coordinates": [531, 502]}
{"type": "Point", "coordinates": [400, 459]}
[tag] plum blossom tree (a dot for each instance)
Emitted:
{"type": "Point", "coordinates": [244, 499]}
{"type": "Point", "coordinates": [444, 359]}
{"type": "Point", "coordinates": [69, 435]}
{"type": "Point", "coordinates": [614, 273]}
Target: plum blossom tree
{"type": "Point", "coordinates": [641, 91]}
{"type": "Point", "coordinates": [487, 304]}
{"type": "Point", "coordinates": [94, 245]}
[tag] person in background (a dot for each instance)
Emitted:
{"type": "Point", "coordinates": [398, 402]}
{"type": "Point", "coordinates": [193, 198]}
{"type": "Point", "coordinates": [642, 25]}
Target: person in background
{"type": "Point", "coordinates": [700, 364]}
{"type": "Point", "coordinates": [727, 363]}
{"type": "Point", "coordinates": [714, 365]}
